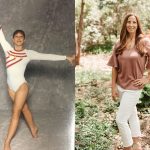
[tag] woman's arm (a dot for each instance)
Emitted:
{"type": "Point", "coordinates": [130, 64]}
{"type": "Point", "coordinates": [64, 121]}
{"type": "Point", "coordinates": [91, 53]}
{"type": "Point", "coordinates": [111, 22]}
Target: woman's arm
{"type": "Point", "coordinates": [143, 81]}
{"type": "Point", "coordinates": [113, 62]}
{"type": "Point", "coordinates": [5, 45]}
{"type": "Point", "coordinates": [145, 46]}
{"type": "Point", "coordinates": [148, 77]}
{"type": "Point", "coordinates": [114, 85]}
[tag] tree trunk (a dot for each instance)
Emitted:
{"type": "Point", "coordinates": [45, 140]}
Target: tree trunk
{"type": "Point", "coordinates": [79, 34]}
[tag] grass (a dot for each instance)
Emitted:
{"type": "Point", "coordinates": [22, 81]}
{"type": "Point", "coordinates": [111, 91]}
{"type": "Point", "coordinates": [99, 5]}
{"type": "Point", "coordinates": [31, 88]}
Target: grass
{"type": "Point", "coordinates": [95, 111]}
{"type": "Point", "coordinates": [95, 127]}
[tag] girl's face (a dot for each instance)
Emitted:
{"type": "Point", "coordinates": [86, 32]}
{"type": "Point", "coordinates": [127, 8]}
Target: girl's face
{"type": "Point", "coordinates": [18, 39]}
{"type": "Point", "coordinates": [131, 25]}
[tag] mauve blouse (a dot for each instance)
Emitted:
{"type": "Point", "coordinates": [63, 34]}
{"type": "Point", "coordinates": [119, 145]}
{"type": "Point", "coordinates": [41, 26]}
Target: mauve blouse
{"type": "Point", "coordinates": [130, 65]}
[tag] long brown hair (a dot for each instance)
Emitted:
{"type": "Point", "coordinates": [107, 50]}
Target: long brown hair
{"type": "Point", "coordinates": [125, 34]}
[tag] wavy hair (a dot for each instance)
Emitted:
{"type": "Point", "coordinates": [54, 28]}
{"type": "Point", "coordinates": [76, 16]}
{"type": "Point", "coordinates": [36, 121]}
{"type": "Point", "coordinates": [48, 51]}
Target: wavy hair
{"type": "Point", "coordinates": [124, 34]}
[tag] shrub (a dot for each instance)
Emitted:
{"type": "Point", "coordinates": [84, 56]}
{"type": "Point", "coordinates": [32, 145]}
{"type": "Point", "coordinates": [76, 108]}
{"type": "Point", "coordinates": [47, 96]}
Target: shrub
{"type": "Point", "coordinates": [145, 97]}
{"type": "Point", "coordinates": [92, 134]}
{"type": "Point", "coordinates": [96, 49]}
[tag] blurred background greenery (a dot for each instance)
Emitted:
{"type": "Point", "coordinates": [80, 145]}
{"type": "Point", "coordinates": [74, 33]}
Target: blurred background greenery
{"type": "Point", "coordinates": [102, 20]}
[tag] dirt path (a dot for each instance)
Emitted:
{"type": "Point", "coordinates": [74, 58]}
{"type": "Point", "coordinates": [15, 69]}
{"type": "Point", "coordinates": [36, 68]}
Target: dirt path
{"type": "Point", "coordinates": [94, 62]}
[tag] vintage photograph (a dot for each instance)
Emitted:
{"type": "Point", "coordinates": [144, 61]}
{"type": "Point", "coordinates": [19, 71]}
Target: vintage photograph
{"type": "Point", "coordinates": [37, 56]}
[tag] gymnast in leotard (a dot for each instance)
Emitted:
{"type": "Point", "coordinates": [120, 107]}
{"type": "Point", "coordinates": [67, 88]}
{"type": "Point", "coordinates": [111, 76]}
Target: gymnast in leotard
{"type": "Point", "coordinates": [17, 59]}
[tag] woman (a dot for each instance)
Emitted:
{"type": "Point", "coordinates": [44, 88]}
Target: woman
{"type": "Point", "coordinates": [129, 60]}
{"type": "Point", "coordinates": [17, 59]}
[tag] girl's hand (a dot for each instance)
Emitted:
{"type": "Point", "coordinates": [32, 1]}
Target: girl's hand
{"type": "Point", "coordinates": [115, 94]}
{"type": "Point", "coordinates": [141, 82]}
{"type": "Point", "coordinates": [71, 59]}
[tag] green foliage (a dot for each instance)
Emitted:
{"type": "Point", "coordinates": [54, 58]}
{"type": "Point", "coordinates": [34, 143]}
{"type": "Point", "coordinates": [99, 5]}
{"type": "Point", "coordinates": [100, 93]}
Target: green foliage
{"type": "Point", "coordinates": [110, 107]}
{"type": "Point", "coordinates": [84, 77]}
{"type": "Point", "coordinates": [95, 111]}
{"type": "Point", "coordinates": [94, 135]}
{"type": "Point", "coordinates": [80, 109]}
{"type": "Point", "coordinates": [145, 97]}
{"type": "Point", "coordinates": [96, 49]}
{"type": "Point", "coordinates": [91, 132]}
{"type": "Point", "coordinates": [103, 20]}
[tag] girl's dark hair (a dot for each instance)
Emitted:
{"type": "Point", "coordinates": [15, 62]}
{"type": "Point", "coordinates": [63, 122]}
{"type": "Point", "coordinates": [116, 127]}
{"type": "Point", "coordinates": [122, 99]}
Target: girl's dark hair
{"type": "Point", "coordinates": [19, 31]}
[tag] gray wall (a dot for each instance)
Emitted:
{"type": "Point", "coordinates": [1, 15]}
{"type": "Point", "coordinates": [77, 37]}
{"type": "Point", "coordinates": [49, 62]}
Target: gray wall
{"type": "Point", "coordinates": [49, 28]}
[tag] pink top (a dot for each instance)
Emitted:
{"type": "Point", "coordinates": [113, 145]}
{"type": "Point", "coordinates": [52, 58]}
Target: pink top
{"type": "Point", "coordinates": [131, 65]}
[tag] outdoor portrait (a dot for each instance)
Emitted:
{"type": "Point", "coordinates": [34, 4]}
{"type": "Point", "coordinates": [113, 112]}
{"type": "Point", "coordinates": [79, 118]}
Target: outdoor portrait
{"type": "Point", "coordinates": [113, 75]}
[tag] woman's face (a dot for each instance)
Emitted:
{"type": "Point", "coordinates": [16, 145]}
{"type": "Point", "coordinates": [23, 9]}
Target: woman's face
{"type": "Point", "coordinates": [131, 25]}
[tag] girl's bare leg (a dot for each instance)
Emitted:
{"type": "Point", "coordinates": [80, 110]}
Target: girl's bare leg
{"type": "Point", "coordinates": [19, 102]}
{"type": "Point", "coordinates": [29, 119]}
{"type": "Point", "coordinates": [27, 115]}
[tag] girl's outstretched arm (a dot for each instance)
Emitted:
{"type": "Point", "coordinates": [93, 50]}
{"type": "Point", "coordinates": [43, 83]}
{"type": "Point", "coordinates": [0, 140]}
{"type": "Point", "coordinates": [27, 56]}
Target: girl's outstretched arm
{"type": "Point", "coordinates": [33, 55]}
{"type": "Point", "coordinates": [5, 45]}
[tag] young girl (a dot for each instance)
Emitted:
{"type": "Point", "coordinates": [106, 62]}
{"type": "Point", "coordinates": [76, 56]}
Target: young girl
{"type": "Point", "coordinates": [17, 58]}
{"type": "Point", "coordinates": [129, 60]}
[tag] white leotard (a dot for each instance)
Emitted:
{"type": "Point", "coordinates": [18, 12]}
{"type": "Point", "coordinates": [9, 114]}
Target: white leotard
{"type": "Point", "coordinates": [16, 62]}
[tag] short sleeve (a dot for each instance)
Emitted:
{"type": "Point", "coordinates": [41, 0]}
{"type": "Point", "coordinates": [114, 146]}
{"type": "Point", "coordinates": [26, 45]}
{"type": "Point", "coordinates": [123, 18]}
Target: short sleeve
{"type": "Point", "coordinates": [145, 44]}
{"type": "Point", "coordinates": [113, 62]}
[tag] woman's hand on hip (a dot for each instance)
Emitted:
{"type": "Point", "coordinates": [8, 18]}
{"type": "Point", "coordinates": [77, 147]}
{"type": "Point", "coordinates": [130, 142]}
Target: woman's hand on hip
{"type": "Point", "coordinates": [141, 82]}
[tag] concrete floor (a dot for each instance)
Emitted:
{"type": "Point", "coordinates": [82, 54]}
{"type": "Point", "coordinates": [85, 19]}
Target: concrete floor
{"type": "Point", "coordinates": [56, 132]}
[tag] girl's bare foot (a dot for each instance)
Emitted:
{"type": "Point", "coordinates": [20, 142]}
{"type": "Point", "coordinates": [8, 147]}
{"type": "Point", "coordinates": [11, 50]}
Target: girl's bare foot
{"type": "Point", "coordinates": [34, 132]}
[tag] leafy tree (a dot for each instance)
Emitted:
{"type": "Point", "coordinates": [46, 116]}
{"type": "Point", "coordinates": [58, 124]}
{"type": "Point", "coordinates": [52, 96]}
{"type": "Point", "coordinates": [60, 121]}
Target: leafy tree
{"type": "Point", "coordinates": [103, 20]}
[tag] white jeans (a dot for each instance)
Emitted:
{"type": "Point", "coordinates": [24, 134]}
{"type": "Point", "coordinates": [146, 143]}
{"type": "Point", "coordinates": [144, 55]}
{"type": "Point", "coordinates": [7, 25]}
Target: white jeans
{"type": "Point", "coordinates": [127, 118]}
